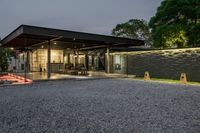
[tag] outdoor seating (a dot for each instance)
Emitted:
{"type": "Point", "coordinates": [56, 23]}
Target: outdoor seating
{"type": "Point", "coordinates": [79, 69]}
{"type": "Point", "coordinates": [84, 71]}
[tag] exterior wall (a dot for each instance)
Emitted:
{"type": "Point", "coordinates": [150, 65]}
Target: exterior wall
{"type": "Point", "coordinates": [18, 64]}
{"type": "Point", "coordinates": [12, 64]}
{"type": "Point", "coordinates": [160, 63]}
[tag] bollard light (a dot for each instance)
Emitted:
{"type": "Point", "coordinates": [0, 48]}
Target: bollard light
{"type": "Point", "coordinates": [183, 78]}
{"type": "Point", "coordinates": [147, 76]}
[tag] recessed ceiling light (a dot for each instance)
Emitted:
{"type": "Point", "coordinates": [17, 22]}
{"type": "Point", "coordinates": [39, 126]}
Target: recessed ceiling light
{"type": "Point", "coordinates": [55, 43]}
{"type": "Point", "coordinates": [42, 46]}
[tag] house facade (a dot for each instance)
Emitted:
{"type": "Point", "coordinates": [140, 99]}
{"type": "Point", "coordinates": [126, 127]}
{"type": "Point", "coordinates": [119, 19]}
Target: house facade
{"type": "Point", "coordinates": [48, 50]}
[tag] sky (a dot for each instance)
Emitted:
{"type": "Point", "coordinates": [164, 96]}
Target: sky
{"type": "Point", "coordinates": [93, 16]}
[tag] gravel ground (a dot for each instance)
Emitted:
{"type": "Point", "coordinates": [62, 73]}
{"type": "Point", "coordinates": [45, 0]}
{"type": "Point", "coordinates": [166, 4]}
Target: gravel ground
{"type": "Point", "coordinates": [100, 106]}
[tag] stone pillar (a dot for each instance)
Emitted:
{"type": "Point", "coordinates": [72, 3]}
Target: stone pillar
{"type": "Point", "coordinates": [49, 60]}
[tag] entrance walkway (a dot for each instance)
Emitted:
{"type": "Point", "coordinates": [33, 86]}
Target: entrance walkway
{"type": "Point", "coordinates": [92, 74]}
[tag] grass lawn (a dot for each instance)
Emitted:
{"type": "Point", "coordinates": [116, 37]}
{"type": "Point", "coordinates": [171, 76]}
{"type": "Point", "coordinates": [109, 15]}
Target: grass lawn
{"type": "Point", "coordinates": [169, 81]}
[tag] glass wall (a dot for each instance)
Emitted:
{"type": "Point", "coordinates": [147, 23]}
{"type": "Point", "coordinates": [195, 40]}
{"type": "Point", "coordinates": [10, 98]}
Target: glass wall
{"type": "Point", "coordinates": [119, 63]}
{"type": "Point", "coordinates": [38, 59]}
{"type": "Point", "coordinates": [62, 60]}
{"type": "Point", "coordinates": [56, 56]}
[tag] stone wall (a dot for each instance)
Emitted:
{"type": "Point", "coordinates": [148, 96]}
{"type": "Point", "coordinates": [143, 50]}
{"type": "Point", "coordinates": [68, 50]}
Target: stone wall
{"type": "Point", "coordinates": [160, 63]}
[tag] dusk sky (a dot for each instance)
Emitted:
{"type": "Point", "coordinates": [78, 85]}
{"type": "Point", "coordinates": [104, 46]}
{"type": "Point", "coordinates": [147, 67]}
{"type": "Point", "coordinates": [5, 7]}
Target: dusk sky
{"type": "Point", "coordinates": [93, 16]}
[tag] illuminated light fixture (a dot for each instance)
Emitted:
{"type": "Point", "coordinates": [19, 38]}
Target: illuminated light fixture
{"type": "Point", "coordinates": [11, 48]}
{"type": "Point", "coordinates": [55, 43]}
{"type": "Point", "coordinates": [74, 38]}
{"type": "Point", "coordinates": [42, 46]}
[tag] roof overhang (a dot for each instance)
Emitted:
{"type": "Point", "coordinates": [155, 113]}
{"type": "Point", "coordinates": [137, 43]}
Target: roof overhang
{"type": "Point", "coordinates": [30, 36]}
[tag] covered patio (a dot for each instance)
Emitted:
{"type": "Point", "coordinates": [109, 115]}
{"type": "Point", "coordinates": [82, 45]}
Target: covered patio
{"type": "Point", "coordinates": [53, 53]}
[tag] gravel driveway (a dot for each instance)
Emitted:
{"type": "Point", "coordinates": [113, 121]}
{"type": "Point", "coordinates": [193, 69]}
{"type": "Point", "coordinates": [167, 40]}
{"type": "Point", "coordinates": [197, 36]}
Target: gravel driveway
{"type": "Point", "coordinates": [100, 106]}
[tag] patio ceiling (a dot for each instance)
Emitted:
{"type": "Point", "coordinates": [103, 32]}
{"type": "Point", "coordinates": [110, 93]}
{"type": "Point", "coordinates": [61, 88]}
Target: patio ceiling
{"type": "Point", "coordinates": [32, 36]}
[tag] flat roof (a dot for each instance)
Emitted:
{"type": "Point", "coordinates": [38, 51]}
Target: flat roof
{"type": "Point", "coordinates": [27, 36]}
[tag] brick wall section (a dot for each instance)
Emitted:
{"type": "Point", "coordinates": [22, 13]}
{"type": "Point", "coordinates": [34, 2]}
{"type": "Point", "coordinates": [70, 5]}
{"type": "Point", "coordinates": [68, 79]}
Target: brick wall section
{"type": "Point", "coordinates": [161, 63]}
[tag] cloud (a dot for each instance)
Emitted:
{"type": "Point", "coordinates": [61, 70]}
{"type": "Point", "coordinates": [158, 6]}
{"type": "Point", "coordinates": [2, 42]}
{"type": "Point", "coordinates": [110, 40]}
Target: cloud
{"type": "Point", "coordinates": [95, 16]}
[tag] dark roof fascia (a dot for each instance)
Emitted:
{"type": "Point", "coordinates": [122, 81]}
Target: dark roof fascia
{"type": "Point", "coordinates": [43, 31]}
{"type": "Point", "coordinates": [18, 31]}
{"type": "Point", "coordinates": [54, 33]}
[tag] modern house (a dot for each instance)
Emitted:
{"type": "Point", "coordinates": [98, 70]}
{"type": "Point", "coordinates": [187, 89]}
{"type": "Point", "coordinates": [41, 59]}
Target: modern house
{"type": "Point", "coordinates": [48, 50]}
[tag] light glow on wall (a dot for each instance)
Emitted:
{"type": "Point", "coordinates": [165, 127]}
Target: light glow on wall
{"type": "Point", "coordinates": [38, 59]}
{"type": "Point", "coordinates": [156, 50]}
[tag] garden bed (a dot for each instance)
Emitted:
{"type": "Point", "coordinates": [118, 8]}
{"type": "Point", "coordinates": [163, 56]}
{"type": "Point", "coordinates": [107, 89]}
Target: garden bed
{"type": "Point", "coordinates": [9, 79]}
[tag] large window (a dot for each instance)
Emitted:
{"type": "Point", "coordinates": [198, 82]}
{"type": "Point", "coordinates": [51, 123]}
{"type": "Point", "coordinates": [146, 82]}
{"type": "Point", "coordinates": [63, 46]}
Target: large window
{"type": "Point", "coordinates": [56, 56]}
{"type": "Point", "coordinates": [117, 62]}
{"type": "Point", "coordinates": [39, 59]}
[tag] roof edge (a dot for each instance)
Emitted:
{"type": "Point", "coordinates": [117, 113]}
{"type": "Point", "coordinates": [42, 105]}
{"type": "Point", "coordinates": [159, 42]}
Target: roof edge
{"type": "Point", "coordinates": [23, 25]}
{"type": "Point", "coordinates": [13, 34]}
{"type": "Point", "coordinates": [45, 31]}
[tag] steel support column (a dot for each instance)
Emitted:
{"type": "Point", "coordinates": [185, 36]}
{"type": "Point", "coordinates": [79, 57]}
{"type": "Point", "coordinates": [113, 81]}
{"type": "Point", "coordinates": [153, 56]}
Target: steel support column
{"type": "Point", "coordinates": [25, 63]}
{"type": "Point", "coordinates": [86, 60]}
{"type": "Point", "coordinates": [28, 60]}
{"type": "Point", "coordinates": [49, 60]}
{"type": "Point", "coordinates": [77, 57]}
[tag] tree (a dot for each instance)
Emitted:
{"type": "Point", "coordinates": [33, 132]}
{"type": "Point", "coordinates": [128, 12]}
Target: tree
{"type": "Point", "coordinates": [176, 24]}
{"type": "Point", "coordinates": [134, 29]}
{"type": "Point", "coordinates": [5, 55]}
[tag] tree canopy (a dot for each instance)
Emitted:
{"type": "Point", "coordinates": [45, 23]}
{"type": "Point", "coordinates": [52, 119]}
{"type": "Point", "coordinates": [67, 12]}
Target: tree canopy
{"type": "Point", "coordinates": [134, 29]}
{"type": "Point", "coordinates": [5, 55]}
{"type": "Point", "coordinates": [176, 24]}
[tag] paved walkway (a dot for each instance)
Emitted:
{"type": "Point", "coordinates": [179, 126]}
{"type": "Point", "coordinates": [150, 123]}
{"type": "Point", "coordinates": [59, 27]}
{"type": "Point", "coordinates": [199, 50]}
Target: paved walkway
{"type": "Point", "coordinates": [92, 74]}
